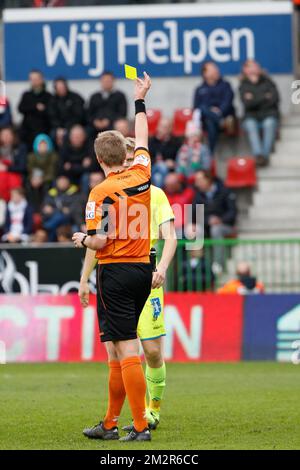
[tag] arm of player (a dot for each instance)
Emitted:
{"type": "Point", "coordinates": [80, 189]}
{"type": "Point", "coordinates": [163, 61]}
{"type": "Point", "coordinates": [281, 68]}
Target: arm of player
{"type": "Point", "coordinates": [93, 242]}
{"type": "Point", "coordinates": [89, 264]}
{"type": "Point", "coordinates": [96, 237]}
{"type": "Point", "coordinates": [168, 234]}
{"type": "Point", "coordinates": [142, 87]}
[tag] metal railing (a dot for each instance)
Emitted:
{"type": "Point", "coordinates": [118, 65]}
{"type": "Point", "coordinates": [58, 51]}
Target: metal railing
{"type": "Point", "coordinates": [275, 263]}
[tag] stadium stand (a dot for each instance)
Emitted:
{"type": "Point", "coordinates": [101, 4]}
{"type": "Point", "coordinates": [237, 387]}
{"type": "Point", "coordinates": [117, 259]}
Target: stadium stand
{"type": "Point", "coordinates": [173, 150]}
{"type": "Point", "coordinates": [170, 153]}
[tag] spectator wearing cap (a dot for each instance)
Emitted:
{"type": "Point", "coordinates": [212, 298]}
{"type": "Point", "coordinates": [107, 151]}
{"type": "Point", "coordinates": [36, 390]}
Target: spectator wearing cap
{"type": "Point", "coordinates": [214, 99]}
{"type": "Point", "coordinates": [43, 160]}
{"type": "Point", "coordinates": [260, 98]}
{"type": "Point", "coordinates": [34, 106]}
{"type": "Point", "coordinates": [42, 169]}
{"type": "Point", "coordinates": [66, 109]}
{"type": "Point", "coordinates": [19, 218]}
{"type": "Point", "coordinates": [193, 155]}
{"type": "Point", "coordinates": [106, 106]}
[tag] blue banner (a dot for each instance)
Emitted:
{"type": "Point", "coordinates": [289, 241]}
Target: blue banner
{"type": "Point", "coordinates": [166, 45]}
{"type": "Point", "coordinates": [271, 327]}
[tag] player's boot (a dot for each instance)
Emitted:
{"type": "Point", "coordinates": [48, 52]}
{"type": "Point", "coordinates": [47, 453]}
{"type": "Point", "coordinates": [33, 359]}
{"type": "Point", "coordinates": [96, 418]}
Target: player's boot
{"type": "Point", "coordinates": [152, 418]}
{"type": "Point", "coordinates": [99, 432]}
{"type": "Point", "coordinates": [133, 435]}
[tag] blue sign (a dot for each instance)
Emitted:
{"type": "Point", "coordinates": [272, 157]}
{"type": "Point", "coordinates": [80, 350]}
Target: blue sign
{"type": "Point", "coordinates": [166, 45]}
{"type": "Point", "coordinates": [271, 327]}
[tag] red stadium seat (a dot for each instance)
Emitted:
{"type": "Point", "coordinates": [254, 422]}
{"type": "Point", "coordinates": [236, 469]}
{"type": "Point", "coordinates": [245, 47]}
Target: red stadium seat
{"type": "Point", "coordinates": [180, 118]}
{"type": "Point", "coordinates": [241, 173]}
{"type": "Point", "coordinates": [153, 116]}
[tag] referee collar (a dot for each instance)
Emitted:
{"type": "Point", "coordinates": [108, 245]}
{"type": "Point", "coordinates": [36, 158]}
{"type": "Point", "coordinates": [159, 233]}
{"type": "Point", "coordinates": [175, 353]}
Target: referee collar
{"type": "Point", "coordinates": [113, 173]}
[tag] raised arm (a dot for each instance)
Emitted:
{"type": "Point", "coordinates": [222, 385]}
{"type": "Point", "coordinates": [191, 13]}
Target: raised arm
{"type": "Point", "coordinates": [141, 124]}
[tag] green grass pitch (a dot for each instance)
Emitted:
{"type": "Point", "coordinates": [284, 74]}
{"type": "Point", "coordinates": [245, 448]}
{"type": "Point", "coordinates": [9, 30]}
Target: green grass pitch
{"type": "Point", "coordinates": [206, 406]}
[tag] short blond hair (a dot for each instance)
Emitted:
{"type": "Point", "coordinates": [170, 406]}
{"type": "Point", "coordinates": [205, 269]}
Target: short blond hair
{"type": "Point", "coordinates": [110, 147]}
{"type": "Point", "coordinates": [130, 144]}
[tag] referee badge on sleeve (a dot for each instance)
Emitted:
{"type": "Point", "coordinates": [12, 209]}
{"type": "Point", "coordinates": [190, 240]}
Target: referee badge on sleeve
{"type": "Point", "coordinates": [90, 210]}
{"type": "Point", "coordinates": [142, 160]}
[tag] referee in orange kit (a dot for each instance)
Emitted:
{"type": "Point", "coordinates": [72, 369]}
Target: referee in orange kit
{"type": "Point", "coordinates": [118, 229]}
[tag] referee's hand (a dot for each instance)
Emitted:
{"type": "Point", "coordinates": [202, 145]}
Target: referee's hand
{"type": "Point", "coordinates": [84, 294]}
{"type": "Point", "coordinates": [142, 86]}
{"type": "Point", "coordinates": [158, 277]}
{"type": "Point", "coordinates": [77, 239]}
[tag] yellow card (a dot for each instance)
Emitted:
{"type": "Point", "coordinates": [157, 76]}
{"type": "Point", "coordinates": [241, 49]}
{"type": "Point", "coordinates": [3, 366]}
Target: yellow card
{"type": "Point", "coordinates": [130, 72]}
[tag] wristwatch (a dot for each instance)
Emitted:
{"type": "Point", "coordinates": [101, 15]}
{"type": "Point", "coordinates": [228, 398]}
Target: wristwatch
{"type": "Point", "coordinates": [83, 240]}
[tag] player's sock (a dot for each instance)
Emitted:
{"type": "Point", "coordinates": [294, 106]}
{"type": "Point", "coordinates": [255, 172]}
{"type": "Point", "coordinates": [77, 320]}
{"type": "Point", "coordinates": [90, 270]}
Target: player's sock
{"type": "Point", "coordinates": [156, 382]}
{"type": "Point", "coordinates": [135, 386]}
{"type": "Point", "coordinates": [117, 395]}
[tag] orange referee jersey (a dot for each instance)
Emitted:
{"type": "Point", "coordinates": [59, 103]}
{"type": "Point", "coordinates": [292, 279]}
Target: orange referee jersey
{"type": "Point", "coordinates": [119, 208]}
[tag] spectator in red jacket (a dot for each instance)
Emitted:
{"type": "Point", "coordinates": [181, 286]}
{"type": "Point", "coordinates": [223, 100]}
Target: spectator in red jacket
{"type": "Point", "coordinates": [179, 196]}
{"type": "Point", "coordinates": [12, 162]}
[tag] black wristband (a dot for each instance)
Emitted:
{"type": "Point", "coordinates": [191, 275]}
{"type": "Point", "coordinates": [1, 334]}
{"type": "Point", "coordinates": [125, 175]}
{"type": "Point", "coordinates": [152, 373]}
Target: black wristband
{"type": "Point", "coordinates": [83, 240]}
{"type": "Point", "coordinates": [140, 106]}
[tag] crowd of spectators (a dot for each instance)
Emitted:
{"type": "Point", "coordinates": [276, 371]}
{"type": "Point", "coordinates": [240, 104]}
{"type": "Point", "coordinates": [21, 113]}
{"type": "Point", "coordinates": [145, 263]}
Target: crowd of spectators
{"type": "Point", "coordinates": [47, 164]}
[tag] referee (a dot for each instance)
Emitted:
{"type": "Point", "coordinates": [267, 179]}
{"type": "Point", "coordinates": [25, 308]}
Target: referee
{"type": "Point", "coordinates": [118, 230]}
